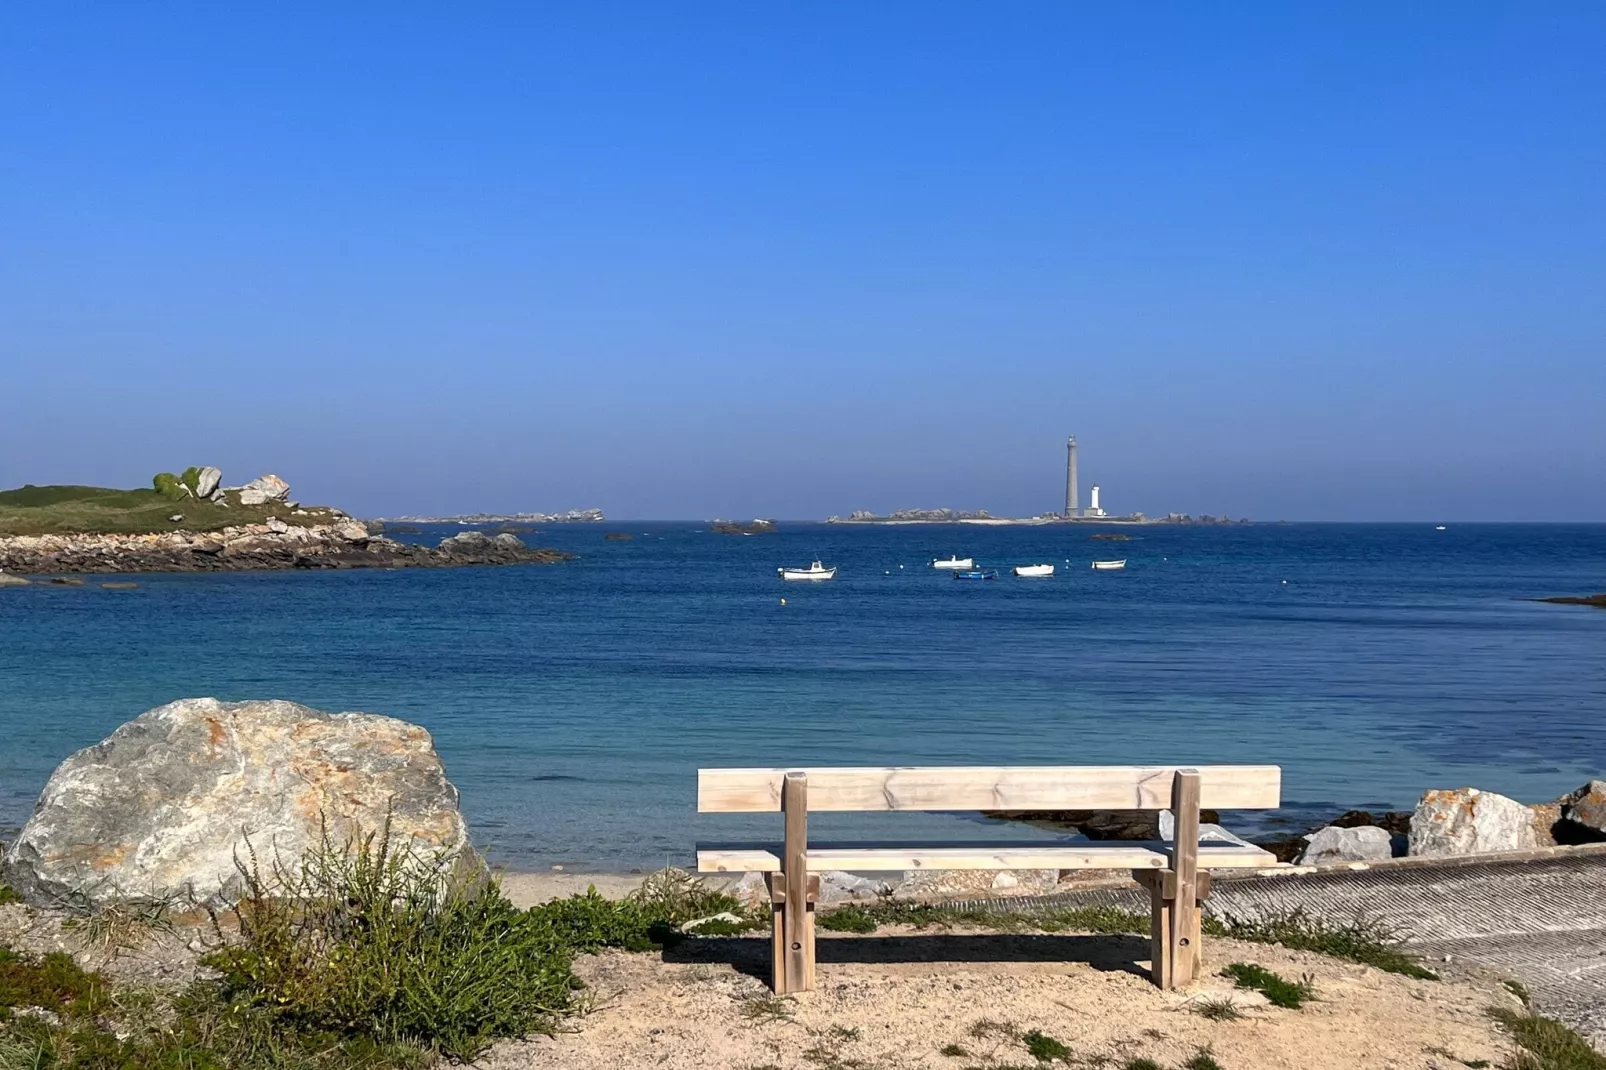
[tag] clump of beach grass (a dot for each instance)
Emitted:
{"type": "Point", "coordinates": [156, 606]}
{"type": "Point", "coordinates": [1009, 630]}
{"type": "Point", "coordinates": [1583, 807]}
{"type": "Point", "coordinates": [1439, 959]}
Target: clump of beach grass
{"type": "Point", "coordinates": [1203, 1059]}
{"type": "Point", "coordinates": [1216, 1010]}
{"type": "Point", "coordinates": [1278, 990]}
{"type": "Point", "coordinates": [1546, 1044]}
{"type": "Point", "coordinates": [1046, 1049]}
{"type": "Point", "coordinates": [1362, 939]}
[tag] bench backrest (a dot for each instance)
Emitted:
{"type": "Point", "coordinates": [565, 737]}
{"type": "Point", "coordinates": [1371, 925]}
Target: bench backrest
{"type": "Point", "coordinates": [1044, 787]}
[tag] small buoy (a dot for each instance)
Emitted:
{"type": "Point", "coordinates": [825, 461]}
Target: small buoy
{"type": "Point", "coordinates": [1285, 583]}
{"type": "Point", "coordinates": [889, 572]}
{"type": "Point", "coordinates": [900, 566]}
{"type": "Point", "coordinates": [783, 601]}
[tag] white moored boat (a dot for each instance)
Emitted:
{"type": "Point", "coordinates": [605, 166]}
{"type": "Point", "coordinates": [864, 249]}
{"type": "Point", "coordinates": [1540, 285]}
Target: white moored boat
{"type": "Point", "coordinates": [1109, 566]}
{"type": "Point", "coordinates": [1034, 570]}
{"type": "Point", "coordinates": [815, 571]}
{"type": "Point", "coordinates": [955, 562]}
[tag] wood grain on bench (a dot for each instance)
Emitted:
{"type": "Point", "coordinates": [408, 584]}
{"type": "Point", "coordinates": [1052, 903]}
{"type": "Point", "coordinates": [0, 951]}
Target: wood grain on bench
{"type": "Point", "coordinates": [1092, 787]}
{"type": "Point", "coordinates": [878, 857]}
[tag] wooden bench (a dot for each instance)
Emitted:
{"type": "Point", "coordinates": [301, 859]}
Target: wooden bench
{"type": "Point", "coordinates": [1177, 874]}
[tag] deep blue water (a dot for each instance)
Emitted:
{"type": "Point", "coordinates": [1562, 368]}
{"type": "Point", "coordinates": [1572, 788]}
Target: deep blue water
{"type": "Point", "coordinates": [573, 703]}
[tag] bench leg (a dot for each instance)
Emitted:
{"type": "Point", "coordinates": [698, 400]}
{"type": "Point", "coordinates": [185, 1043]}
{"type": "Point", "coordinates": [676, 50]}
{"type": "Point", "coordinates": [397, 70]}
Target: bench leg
{"type": "Point", "coordinates": [777, 892]}
{"type": "Point", "coordinates": [796, 962]}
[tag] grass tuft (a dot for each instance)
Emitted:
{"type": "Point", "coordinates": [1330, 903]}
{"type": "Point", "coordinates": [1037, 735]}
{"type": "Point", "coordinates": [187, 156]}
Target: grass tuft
{"type": "Point", "coordinates": [953, 1051]}
{"type": "Point", "coordinates": [1142, 1062]}
{"type": "Point", "coordinates": [1546, 1044]}
{"type": "Point", "coordinates": [1216, 1010]}
{"type": "Point", "coordinates": [1278, 990]}
{"type": "Point", "coordinates": [848, 919]}
{"type": "Point", "coordinates": [1046, 1049]}
{"type": "Point", "coordinates": [765, 1009]}
{"type": "Point", "coordinates": [1365, 940]}
{"type": "Point", "coordinates": [1201, 1060]}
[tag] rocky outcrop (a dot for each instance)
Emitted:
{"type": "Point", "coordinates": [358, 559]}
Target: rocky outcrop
{"type": "Point", "coordinates": [1361, 843]}
{"type": "Point", "coordinates": [8, 580]}
{"type": "Point", "coordinates": [274, 545]}
{"type": "Point", "coordinates": [264, 489]}
{"type": "Point", "coordinates": [173, 801]}
{"type": "Point", "coordinates": [1469, 821]}
{"type": "Point", "coordinates": [1583, 814]}
{"type": "Point", "coordinates": [206, 482]}
{"type": "Point", "coordinates": [1596, 600]}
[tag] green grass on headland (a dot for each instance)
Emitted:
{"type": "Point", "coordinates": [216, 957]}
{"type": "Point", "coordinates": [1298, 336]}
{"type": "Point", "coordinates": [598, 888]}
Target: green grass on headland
{"type": "Point", "coordinates": [56, 510]}
{"type": "Point", "coordinates": [1546, 1044]}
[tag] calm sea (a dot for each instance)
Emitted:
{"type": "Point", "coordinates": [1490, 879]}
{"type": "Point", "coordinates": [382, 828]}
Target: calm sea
{"type": "Point", "coordinates": [572, 704]}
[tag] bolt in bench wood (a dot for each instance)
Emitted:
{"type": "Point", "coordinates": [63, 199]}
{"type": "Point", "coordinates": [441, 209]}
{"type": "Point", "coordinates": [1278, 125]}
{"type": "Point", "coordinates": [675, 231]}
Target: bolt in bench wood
{"type": "Point", "coordinates": [1176, 874]}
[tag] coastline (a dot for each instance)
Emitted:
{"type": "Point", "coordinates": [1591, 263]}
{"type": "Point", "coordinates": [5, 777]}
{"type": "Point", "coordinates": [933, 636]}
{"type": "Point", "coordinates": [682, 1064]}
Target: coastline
{"type": "Point", "coordinates": [256, 547]}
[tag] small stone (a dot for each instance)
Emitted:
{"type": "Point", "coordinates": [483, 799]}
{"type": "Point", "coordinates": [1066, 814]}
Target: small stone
{"type": "Point", "coordinates": [176, 517]}
{"type": "Point", "coordinates": [277, 526]}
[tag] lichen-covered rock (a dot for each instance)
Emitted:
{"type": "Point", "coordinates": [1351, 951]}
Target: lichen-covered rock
{"type": "Point", "coordinates": [1584, 812]}
{"type": "Point", "coordinates": [1469, 821]}
{"type": "Point", "coordinates": [1365, 843]}
{"type": "Point", "coordinates": [167, 804]}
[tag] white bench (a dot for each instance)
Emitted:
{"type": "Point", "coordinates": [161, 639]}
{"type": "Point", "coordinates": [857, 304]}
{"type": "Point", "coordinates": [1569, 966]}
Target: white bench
{"type": "Point", "coordinates": [1176, 874]}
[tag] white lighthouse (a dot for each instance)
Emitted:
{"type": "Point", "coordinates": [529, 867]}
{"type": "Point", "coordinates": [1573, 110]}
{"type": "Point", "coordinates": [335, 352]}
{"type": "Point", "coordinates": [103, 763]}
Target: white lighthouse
{"type": "Point", "coordinates": [1093, 505]}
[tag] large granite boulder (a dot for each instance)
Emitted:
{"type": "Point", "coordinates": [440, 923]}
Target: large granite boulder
{"type": "Point", "coordinates": [1469, 821]}
{"type": "Point", "coordinates": [206, 482]}
{"type": "Point", "coordinates": [264, 489]}
{"type": "Point", "coordinates": [168, 803]}
{"type": "Point", "coordinates": [1360, 843]}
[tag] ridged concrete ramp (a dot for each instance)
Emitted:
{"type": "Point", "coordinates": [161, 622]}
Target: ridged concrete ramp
{"type": "Point", "coordinates": [1538, 918]}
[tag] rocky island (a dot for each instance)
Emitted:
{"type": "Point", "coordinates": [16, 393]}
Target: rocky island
{"type": "Point", "coordinates": [190, 523]}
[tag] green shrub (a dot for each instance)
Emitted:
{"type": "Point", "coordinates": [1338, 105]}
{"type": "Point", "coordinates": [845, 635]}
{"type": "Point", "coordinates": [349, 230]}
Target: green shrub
{"type": "Point", "coordinates": [1046, 1049]}
{"type": "Point", "coordinates": [8, 894]}
{"type": "Point", "coordinates": [1279, 991]}
{"type": "Point", "coordinates": [191, 478]}
{"type": "Point", "coordinates": [366, 941]}
{"type": "Point", "coordinates": [1546, 1044]}
{"type": "Point", "coordinates": [1201, 1060]}
{"type": "Point", "coordinates": [53, 982]}
{"type": "Point", "coordinates": [168, 486]}
{"type": "Point", "coordinates": [848, 919]}
{"type": "Point", "coordinates": [1364, 940]}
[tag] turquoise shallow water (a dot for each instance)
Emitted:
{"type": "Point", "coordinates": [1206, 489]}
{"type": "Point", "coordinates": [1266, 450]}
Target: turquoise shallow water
{"type": "Point", "coordinates": [572, 704]}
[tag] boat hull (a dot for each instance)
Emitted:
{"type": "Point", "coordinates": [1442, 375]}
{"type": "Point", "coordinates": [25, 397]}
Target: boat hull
{"type": "Point", "coordinates": [977, 574]}
{"type": "Point", "coordinates": [807, 575]}
{"type": "Point", "coordinates": [1034, 571]}
{"type": "Point", "coordinates": [1109, 566]}
{"type": "Point", "coordinates": [956, 563]}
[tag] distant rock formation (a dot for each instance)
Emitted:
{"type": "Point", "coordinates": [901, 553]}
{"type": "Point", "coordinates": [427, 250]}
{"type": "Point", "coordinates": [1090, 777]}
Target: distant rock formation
{"type": "Point", "coordinates": [263, 489]}
{"type": "Point", "coordinates": [273, 545]}
{"type": "Point", "coordinates": [1597, 600]}
{"type": "Point", "coordinates": [171, 801]}
{"type": "Point", "coordinates": [736, 527]}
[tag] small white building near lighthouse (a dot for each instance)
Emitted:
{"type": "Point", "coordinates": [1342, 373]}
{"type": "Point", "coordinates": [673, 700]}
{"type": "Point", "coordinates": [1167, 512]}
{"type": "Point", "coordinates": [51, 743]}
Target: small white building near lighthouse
{"type": "Point", "coordinates": [1093, 505]}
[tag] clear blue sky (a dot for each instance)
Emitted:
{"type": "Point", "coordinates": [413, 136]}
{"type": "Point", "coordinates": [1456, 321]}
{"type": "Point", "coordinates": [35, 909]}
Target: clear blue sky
{"type": "Point", "coordinates": [732, 259]}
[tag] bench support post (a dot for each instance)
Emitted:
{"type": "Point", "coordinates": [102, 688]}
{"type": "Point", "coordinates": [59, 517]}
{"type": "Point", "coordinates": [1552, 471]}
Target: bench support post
{"type": "Point", "coordinates": [1175, 929]}
{"type": "Point", "coordinates": [793, 920]}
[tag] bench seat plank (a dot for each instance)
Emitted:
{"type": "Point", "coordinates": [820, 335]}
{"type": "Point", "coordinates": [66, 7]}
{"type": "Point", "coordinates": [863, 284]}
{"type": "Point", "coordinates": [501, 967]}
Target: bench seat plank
{"type": "Point", "coordinates": [877, 857]}
{"type": "Point", "coordinates": [964, 788]}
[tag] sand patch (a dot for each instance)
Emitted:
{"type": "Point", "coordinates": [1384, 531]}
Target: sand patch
{"type": "Point", "coordinates": [899, 998]}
